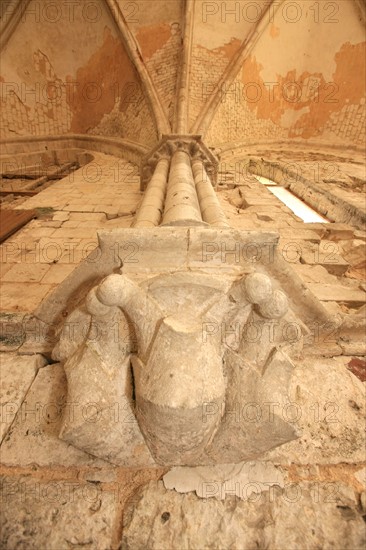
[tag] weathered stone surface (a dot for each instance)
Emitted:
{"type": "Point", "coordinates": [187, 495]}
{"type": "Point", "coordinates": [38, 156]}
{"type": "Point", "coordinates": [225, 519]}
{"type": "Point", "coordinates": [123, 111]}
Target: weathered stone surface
{"type": "Point", "coordinates": [326, 293]}
{"type": "Point", "coordinates": [12, 333]}
{"type": "Point", "coordinates": [339, 231]}
{"type": "Point", "coordinates": [328, 403]}
{"type": "Point", "coordinates": [57, 515]}
{"type": "Point", "coordinates": [275, 307]}
{"type": "Point", "coordinates": [100, 383]}
{"type": "Point", "coordinates": [72, 334]}
{"type": "Point", "coordinates": [360, 475]}
{"type": "Point", "coordinates": [289, 235]}
{"type": "Point", "coordinates": [299, 516]}
{"type": "Point", "coordinates": [360, 235]}
{"type": "Point", "coordinates": [355, 253]}
{"type": "Point", "coordinates": [17, 373]}
{"type": "Point", "coordinates": [190, 317]}
{"type": "Point", "coordinates": [327, 255]}
{"type": "Point", "coordinates": [33, 437]}
{"type": "Point", "coordinates": [352, 348]}
{"type": "Point", "coordinates": [142, 252]}
{"type": "Point", "coordinates": [314, 274]}
{"type": "Point", "coordinates": [39, 337]}
{"type": "Point", "coordinates": [183, 372]}
{"type": "Point", "coordinates": [258, 288]}
{"type": "Point", "coordinates": [250, 425]}
{"type": "Point", "coordinates": [229, 479]}
{"type": "Point", "coordinates": [167, 249]}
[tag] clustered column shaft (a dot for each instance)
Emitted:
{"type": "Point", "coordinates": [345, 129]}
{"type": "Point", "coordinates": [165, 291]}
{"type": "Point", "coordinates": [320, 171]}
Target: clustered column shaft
{"type": "Point", "coordinates": [185, 198]}
{"type": "Point", "coordinates": [149, 214]}
{"type": "Point", "coordinates": [181, 203]}
{"type": "Point", "coordinates": [211, 210]}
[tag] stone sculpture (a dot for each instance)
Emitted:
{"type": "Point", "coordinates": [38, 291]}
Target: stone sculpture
{"type": "Point", "coordinates": [207, 377]}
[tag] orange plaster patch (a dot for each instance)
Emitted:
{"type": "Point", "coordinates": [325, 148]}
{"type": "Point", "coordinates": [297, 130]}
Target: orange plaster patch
{"type": "Point", "coordinates": [293, 92]}
{"type": "Point", "coordinates": [107, 75]}
{"type": "Point", "coordinates": [274, 31]}
{"type": "Point", "coordinates": [153, 38]}
{"type": "Point", "coordinates": [228, 50]}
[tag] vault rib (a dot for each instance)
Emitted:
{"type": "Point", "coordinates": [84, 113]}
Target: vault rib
{"type": "Point", "coordinates": [203, 121]}
{"type": "Point", "coordinates": [9, 23]}
{"type": "Point", "coordinates": [182, 92]}
{"type": "Point", "coordinates": [134, 54]}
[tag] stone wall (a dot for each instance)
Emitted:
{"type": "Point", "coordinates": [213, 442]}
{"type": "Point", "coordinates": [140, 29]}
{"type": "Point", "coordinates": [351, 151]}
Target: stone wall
{"type": "Point", "coordinates": [56, 495]}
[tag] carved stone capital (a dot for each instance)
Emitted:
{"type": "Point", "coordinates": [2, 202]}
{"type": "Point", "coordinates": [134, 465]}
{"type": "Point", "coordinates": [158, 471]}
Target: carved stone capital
{"type": "Point", "coordinates": [191, 144]}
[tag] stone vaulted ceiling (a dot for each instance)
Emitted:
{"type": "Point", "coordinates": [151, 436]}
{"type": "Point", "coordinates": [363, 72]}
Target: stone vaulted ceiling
{"type": "Point", "coordinates": [235, 71]}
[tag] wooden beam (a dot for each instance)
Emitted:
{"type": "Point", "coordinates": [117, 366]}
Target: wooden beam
{"type": "Point", "coordinates": [12, 220]}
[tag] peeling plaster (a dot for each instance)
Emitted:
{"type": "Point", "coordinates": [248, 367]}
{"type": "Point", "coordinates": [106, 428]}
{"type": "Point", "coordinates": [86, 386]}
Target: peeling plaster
{"type": "Point", "coordinates": [310, 41]}
{"type": "Point", "coordinates": [153, 38]}
{"type": "Point", "coordinates": [242, 480]}
{"type": "Point", "coordinates": [307, 93]}
{"type": "Point", "coordinates": [110, 84]}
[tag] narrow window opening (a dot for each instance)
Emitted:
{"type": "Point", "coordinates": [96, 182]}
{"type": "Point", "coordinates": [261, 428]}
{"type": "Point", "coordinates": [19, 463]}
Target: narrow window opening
{"type": "Point", "coordinates": [296, 205]}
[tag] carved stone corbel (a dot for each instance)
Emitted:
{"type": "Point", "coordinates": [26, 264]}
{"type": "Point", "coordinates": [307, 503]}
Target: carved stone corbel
{"type": "Point", "coordinates": [194, 389]}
